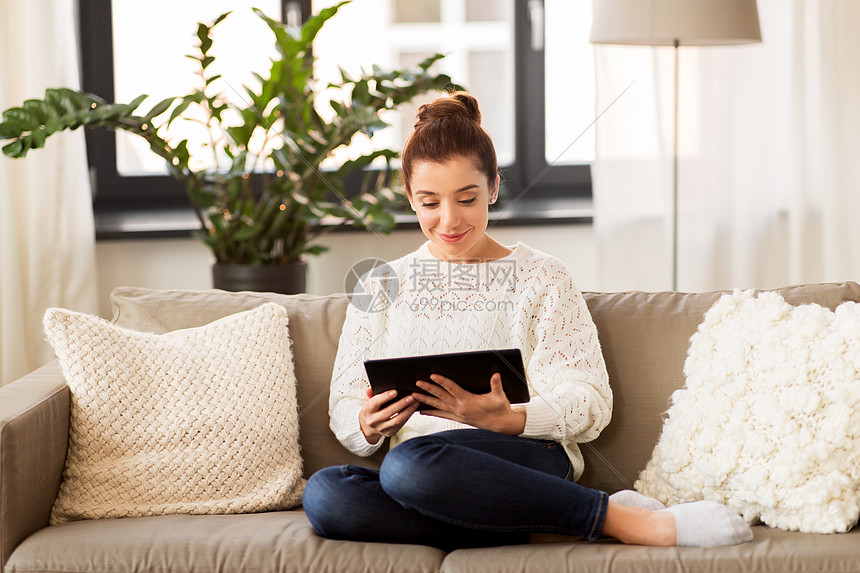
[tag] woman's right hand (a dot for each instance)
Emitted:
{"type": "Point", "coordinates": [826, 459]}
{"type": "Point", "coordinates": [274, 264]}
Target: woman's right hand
{"type": "Point", "coordinates": [377, 422]}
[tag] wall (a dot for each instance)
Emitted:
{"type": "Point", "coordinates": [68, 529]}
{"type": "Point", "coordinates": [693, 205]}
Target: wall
{"type": "Point", "coordinates": [184, 263]}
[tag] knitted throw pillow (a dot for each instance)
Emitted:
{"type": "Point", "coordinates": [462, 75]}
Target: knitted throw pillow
{"type": "Point", "coordinates": [201, 421]}
{"type": "Point", "coordinates": [768, 422]}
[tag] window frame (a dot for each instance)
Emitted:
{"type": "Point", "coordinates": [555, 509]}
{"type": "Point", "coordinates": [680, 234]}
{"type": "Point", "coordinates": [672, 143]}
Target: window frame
{"type": "Point", "coordinates": [534, 191]}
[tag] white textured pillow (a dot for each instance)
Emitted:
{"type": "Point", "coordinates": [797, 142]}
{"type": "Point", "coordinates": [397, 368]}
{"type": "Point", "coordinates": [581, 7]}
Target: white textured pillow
{"type": "Point", "coordinates": [769, 420]}
{"type": "Point", "coordinates": [199, 421]}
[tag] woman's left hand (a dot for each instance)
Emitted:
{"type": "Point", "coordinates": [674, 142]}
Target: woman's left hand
{"type": "Point", "coordinates": [491, 411]}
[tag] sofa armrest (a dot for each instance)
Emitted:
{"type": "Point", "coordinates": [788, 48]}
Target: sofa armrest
{"type": "Point", "coordinates": [34, 435]}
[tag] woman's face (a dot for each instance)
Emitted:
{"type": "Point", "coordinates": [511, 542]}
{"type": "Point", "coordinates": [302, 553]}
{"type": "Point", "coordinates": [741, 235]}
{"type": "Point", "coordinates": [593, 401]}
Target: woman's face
{"type": "Point", "coordinates": [451, 201]}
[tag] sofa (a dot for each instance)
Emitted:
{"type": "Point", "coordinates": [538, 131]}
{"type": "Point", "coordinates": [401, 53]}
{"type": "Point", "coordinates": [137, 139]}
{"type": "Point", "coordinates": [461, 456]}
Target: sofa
{"type": "Point", "coordinates": [644, 336]}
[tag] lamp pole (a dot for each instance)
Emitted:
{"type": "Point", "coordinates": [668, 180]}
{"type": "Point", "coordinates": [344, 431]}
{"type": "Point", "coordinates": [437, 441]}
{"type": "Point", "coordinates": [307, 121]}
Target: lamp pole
{"type": "Point", "coordinates": [676, 44]}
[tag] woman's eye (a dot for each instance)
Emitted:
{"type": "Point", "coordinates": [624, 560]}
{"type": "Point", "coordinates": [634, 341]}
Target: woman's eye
{"type": "Point", "coordinates": [429, 205]}
{"type": "Point", "coordinates": [469, 201]}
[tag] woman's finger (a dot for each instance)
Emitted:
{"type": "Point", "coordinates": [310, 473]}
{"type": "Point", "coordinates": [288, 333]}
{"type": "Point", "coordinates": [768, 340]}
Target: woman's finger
{"type": "Point", "coordinates": [449, 385]}
{"type": "Point", "coordinates": [431, 401]}
{"type": "Point", "coordinates": [393, 423]}
{"type": "Point", "coordinates": [496, 388]}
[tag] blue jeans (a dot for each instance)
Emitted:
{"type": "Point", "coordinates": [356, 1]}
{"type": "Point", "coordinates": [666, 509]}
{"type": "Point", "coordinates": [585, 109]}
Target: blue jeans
{"type": "Point", "coordinates": [461, 488]}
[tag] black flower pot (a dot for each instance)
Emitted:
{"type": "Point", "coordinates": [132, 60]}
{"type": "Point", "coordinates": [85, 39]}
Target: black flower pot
{"type": "Point", "coordinates": [285, 278]}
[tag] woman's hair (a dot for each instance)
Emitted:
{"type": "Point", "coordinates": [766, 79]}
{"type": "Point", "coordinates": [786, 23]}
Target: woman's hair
{"type": "Point", "coordinates": [446, 128]}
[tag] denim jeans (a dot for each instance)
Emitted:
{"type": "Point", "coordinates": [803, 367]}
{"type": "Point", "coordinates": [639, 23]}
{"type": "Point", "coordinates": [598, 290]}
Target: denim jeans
{"type": "Point", "coordinates": [461, 488]}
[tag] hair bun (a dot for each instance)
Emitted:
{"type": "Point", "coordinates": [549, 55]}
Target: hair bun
{"type": "Point", "coordinates": [453, 105]}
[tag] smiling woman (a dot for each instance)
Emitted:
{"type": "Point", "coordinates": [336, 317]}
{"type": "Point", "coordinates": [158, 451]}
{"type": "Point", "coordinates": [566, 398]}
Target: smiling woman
{"type": "Point", "coordinates": [473, 469]}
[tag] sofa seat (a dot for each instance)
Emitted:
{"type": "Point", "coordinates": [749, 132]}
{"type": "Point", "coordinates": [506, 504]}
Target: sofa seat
{"type": "Point", "coordinates": [772, 550]}
{"type": "Point", "coordinates": [284, 541]}
{"type": "Point", "coordinates": [260, 542]}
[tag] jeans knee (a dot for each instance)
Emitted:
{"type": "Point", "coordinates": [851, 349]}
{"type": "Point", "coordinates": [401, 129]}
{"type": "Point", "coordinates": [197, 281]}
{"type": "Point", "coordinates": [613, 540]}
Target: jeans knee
{"type": "Point", "coordinates": [414, 473]}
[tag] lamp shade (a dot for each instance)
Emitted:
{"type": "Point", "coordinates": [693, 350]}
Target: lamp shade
{"type": "Point", "coordinates": [665, 22]}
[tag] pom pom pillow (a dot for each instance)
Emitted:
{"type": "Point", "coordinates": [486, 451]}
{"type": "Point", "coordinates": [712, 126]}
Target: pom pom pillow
{"type": "Point", "coordinates": [200, 421]}
{"type": "Point", "coordinates": [768, 422]}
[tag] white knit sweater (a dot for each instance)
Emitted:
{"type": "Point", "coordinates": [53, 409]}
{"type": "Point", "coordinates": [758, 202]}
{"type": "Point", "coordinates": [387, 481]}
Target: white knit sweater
{"type": "Point", "coordinates": [526, 300]}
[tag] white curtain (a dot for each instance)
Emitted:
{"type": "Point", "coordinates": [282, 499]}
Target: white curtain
{"type": "Point", "coordinates": [47, 240]}
{"type": "Point", "coordinates": [769, 172]}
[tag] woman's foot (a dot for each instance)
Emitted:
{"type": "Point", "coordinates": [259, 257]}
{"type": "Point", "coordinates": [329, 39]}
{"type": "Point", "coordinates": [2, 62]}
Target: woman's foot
{"type": "Point", "coordinates": [632, 498]}
{"type": "Point", "coordinates": [697, 524]}
{"type": "Point", "coordinates": [708, 524]}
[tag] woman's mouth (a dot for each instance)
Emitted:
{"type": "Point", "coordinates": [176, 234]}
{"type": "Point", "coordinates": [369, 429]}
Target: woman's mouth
{"type": "Point", "coordinates": [452, 238]}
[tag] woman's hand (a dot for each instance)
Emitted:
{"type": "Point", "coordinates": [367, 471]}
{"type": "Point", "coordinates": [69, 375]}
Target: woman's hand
{"type": "Point", "coordinates": [491, 411]}
{"type": "Point", "coordinates": [377, 422]}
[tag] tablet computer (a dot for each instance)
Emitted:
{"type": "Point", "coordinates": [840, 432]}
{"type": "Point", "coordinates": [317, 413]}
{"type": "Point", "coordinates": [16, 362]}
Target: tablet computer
{"type": "Point", "coordinates": [471, 370]}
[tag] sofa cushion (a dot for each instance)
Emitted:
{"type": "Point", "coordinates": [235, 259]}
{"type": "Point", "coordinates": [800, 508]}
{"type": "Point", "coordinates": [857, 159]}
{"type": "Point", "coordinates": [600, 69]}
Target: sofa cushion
{"type": "Point", "coordinates": [768, 421]}
{"type": "Point", "coordinates": [194, 421]}
{"type": "Point", "coordinates": [644, 337]}
{"type": "Point", "coordinates": [315, 326]}
{"type": "Point", "coordinates": [770, 550]}
{"type": "Point", "coordinates": [281, 541]}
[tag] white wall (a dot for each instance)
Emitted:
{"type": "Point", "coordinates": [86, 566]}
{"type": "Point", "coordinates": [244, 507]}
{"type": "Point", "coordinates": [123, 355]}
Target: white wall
{"type": "Point", "coordinates": [184, 263]}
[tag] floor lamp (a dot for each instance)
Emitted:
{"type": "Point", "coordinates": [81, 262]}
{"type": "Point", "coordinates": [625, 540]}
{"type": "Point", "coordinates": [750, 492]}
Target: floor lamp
{"type": "Point", "coordinates": [675, 23]}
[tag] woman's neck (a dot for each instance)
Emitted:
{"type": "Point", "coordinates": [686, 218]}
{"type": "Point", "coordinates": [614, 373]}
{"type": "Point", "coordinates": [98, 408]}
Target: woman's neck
{"type": "Point", "coordinates": [489, 250]}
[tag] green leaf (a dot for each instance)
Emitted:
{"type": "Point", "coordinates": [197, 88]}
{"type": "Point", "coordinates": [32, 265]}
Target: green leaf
{"type": "Point", "coordinates": [15, 149]}
{"type": "Point", "coordinates": [20, 119]}
{"type": "Point", "coordinates": [61, 99]}
{"type": "Point", "coordinates": [40, 109]}
{"type": "Point", "coordinates": [247, 233]}
{"type": "Point", "coordinates": [312, 27]}
{"type": "Point", "coordinates": [220, 18]}
{"type": "Point", "coordinates": [240, 134]}
{"type": "Point", "coordinates": [203, 36]}
{"type": "Point", "coordinates": [177, 111]}
{"type": "Point", "coordinates": [315, 250]}
{"type": "Point", "coordinates": [37, 139]}
{"type": "Point", "coordinates": [182, 154]}
{"type": "Point", "coordinates": [8, 131]}
{"type": "Point", "coordinates": [366, 160]}
{"type": "Point", "coordinates": [135, 103]}
{"type": "Point", "coordinates": [427, 62]}
{"type": "Point", "coordinates": [159, 108]}
{"type": "Point", "coordinates": [53, 125]}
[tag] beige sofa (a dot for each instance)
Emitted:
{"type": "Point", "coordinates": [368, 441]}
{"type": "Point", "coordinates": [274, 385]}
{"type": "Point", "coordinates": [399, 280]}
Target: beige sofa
{"type": "Point", "coordinates": [644, 337]}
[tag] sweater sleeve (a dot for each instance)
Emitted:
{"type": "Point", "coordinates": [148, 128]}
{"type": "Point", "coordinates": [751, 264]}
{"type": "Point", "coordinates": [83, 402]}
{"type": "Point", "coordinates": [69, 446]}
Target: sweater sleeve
{"type": "Point", "coordinates": [349, 380]}
{"type": "Point", "coordinates": [571, 398]}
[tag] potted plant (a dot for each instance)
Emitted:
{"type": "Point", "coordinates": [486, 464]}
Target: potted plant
{"type": "Point", "coordinates": [269, 198]}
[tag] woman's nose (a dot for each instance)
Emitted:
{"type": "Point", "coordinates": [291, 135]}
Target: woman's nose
{"type": "Point", "coordinates": [449, 216]}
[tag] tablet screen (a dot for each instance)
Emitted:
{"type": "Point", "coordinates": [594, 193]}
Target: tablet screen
{"type": "Point", "coordinates": [471, 370]}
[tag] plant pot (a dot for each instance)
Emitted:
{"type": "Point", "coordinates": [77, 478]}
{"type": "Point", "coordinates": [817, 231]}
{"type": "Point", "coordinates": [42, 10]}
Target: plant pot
{"type": "Point", "coordinates": [285, 278]}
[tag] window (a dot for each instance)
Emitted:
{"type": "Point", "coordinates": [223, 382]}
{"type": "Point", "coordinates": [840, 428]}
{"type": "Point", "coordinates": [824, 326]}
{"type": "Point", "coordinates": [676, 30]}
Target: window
{"type": "Point", "coordinates": [527, 61]}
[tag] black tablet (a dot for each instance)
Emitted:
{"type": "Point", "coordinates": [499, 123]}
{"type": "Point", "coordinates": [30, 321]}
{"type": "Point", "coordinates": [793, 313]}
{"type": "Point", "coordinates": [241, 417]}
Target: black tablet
{"type": "Point", "coordinates": [471, 370]}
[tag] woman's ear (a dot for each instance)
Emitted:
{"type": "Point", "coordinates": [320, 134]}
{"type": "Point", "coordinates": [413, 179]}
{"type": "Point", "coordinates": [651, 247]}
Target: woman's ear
{"type": "Point", "coordinates": [409, 198]}
{"type": "Point", "coordinates": [494, 189]}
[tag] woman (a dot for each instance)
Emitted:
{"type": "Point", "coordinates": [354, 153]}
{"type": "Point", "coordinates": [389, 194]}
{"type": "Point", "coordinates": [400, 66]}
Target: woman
{"type": "Point", "coordinates": [474, 470]}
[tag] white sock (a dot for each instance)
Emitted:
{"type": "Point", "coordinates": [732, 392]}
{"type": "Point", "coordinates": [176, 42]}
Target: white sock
{"type": "Point", "coordinates": [708, 524]}
{"type": "Point", "coordinates": [631, 498]}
